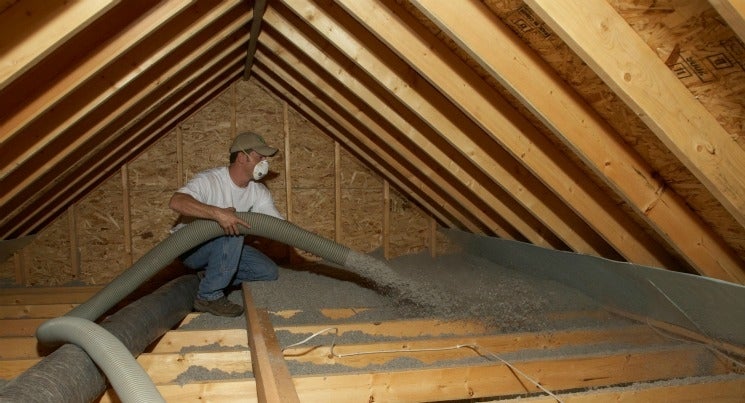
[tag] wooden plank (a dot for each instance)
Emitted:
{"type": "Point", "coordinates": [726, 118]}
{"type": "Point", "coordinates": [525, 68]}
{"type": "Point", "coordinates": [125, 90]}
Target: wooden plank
{"type": "Point", "coordinates": [76, 77]}
{"type": "Point", "coordinates": [243, 391]}
{"type": "Point", "coordinates": [34, 310]}
{"type": "Point", "coordinates": [19, 327]}
{"type": "Point", "coordinates": [162, 368]}
{"type": "Point", "coordinates": [497, 379]}
{"type": "Point", "coordinates": [446, 71]}
{"type": "Point", "coordinates": [288, 160]}
{"type": "Point", "coordinates": [699, 389]}
{"type": "Point", "coordinates": [605, 41]}
{"type": "Point", "coordinates": [273, 380]}
{"type": "Point", "coordinates": [14, 367]}
{"type": "Point", "coordinates": [337, 192]}
{"type": "Point", "coordinates": [127, 215]}
{"type": "Point", "coordinates": [47, 295]}
{"type": "Point", "coordinates": [33, 29]}
{"type": "Point", "coordinates": [324, 92]}
{"type": "Point", "coordinates": [259, 6]}
{"type": "Point", "coordinates": [386, 220]}
{"type": "Point", "coordinates": [149, 85]}
{"type": "Point", "coordinates": [23, 347]}
{"type": "Point", "coordinates": [166, 368]}
{"type": "Point", "coordinates": [558, 106]}
{"type": "Point", "coordinates": [390, 77]}
{"type": "Point", "coordinates": [426, 350]}
{"type": "Point", "coordinates": [733, 11]}
{"type": "Point", "coordinates": [416, 328]}
{"type": "Point", "coordinates": [413, 186]}
{"type": "Point", "coordinates": [703, 389]}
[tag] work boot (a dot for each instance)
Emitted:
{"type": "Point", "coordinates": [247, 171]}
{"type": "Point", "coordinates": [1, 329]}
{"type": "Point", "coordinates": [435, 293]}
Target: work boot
{"type": "Point", "coordinates": [219, 307]}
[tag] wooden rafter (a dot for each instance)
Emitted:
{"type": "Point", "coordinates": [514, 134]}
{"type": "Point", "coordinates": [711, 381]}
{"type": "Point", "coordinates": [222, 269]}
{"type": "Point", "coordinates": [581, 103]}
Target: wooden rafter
{"type": "Point", "coordinates": [50, 24]}
{"type": "Point", "coordinates": [396, 166]}
{"type": "Point", "coordinates": [372, 122]}
{"type": "Point", "coordinates": [487, 108]}
{"type": "Point", "coordinates": [273, 381]}
{"type": "Point", "coordinates": [581, 129]}
{"type": "Point", "coordinates": [258, 15]}
{"type": "Point", "coordinates": [733, 11]}
{"type": "Point", "coordinates": [606, 42]}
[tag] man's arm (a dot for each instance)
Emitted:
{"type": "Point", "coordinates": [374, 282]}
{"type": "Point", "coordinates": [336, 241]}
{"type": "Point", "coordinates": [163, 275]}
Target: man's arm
{"type": "Point", "coordinates": [186, 205]}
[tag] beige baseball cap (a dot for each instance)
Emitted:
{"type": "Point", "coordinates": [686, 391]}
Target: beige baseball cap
{"type": "Point", "coordinates": [252, 141]}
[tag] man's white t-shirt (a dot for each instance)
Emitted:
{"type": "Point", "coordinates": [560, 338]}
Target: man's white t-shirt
{"type": "Point", "coordinates": [214, 187]}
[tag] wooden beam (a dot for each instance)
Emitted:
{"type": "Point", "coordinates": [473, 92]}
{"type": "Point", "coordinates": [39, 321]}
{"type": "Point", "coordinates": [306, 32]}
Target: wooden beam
{"type": "Point", "coordinates": [606, 42]}
{"type": "Point", "coordinates": [258, 16]}
{"type": "Point", "coordinates": [436, 173]}
{"type": "Point", "coordinates": [273, 380]}
{"type": "Point", "coordinates": [72, 233]}
{"type": "Point", "coordinates": [337, 192]}
{"type": "Point", "coordinates": [47, 295]}
{"type": "Point", "coordinates": [127, 215]}
{"type": "Point", "coordinates": [426, 104]}
{"type": "Point", "coordinates": [148, 83]}
{"type": "Point", "coordinates": [386, 235]}
{"type": "Point", "coordinates": [33, 29]}
{"type": "Point", "coordinates": [496, 379]}
{"type": "Point", "coordinates": [395, 165]}
{"type": "Point", "coordinates": [74, 79]}
{"type": "Point", "coordinates": [733, 11]}
{"type": "Point", "coordinates": [699, 389]}
{"type": "Point", "coordinates": [155, 89]}
{"type": "Point", "coordinates": [288, 162]}
{"type": "Point", "coordinates": [592, 139]}
{"type": "Point", "coordinates": [486, 107]}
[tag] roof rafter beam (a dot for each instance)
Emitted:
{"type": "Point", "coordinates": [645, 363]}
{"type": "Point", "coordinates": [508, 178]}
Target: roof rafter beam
{"type": "Point", "coordinates": [50, 23]}
{"type": "Point", "coordinates": [384, 110]}
{"type": "Point", "coordinates": [611, 48]}
{"type": "Point", "coordinates": [733, 11]}
{"type": "Point", "coordinates": [362, 120]}
{"type": "Point", "coordinates": [258, 16]}
{"type": "Point", "coordinates": [332, 115]}
{"type": "Point", "coordinates": [490, 111]}
{"type": "Point", "coordinates": [75, 181]}
{"type": "Point", "coordinates": [580, 128]}
{"type": "Point", "coordinates": [427, 104]}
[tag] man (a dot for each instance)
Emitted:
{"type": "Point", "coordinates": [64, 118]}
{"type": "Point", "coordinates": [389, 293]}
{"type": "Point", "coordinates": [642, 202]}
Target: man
{"type": "Point", "coordinates": [216, 194]}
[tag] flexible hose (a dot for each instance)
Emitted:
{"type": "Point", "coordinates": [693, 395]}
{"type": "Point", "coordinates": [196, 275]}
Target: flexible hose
{"type": "Point", "coordinates": [69, 374]}
{"type": "Point", "coordinates": [169, 249]}
{"type": "Point", "coordinates": [127, 377]}
{"type": "Point", "coordinates": [194, 234]}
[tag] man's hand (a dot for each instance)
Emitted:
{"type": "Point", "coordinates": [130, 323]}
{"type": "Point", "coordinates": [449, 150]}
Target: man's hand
{"type": "Point", "coordinates": [188, 206]}
{"type": "Point", "coordinates": [229, 221]}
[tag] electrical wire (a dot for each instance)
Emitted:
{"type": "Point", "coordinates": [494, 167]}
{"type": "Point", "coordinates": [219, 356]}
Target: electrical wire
{"type": "Point", "coordinates": [473, 347]}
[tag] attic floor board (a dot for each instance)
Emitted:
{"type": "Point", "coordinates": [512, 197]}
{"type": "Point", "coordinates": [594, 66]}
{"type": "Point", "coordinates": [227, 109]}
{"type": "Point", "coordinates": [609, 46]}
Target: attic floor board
{"type": "Point", "coordinates": [569, 345]}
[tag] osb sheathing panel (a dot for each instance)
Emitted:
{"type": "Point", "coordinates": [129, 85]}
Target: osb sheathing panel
{"type": "Point", "coordinates": [655, 17]}
{"type": "Point", "coordinates": [152, 177]}
{"type": "Point", "coordinates": [100, 221]}
{"type": "Point", "coordinates": [409, 226]}
{"type": "Point", "coordinates": [47, 257]}
{"type": "Point", "coordinates": [206, 136]}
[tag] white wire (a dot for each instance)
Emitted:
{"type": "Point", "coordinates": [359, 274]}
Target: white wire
{"type": "Point", "coordinates": [474, 347]}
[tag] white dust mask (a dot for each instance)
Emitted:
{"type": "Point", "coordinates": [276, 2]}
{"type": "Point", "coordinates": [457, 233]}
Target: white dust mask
{"type": "Point", "coordinates": [261, 169]}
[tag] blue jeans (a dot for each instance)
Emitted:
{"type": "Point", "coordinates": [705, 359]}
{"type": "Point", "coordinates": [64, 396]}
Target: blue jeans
{"type": "Point", "coordinates": [227, 261]}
